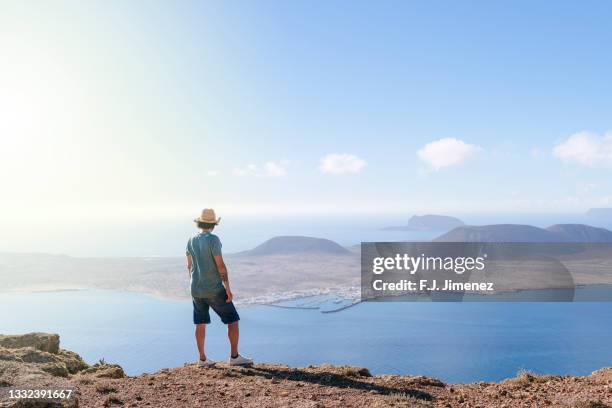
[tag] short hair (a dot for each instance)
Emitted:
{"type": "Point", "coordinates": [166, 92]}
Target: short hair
{"type": "Point", "coordinates": [206, 225]}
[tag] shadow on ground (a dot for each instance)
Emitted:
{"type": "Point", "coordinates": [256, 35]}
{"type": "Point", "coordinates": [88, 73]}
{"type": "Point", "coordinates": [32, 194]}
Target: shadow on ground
{"type": "Point", "coordinates": [331, 379]}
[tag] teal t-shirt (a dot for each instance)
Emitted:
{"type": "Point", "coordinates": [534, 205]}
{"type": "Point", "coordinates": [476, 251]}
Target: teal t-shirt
{"type": "Point", "coordinates": [205, 278]}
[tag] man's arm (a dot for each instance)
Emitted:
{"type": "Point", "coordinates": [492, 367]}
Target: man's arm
{"type": "Point", "coordinates": [223, 273]}
{"type": "Point", "coordinates": [189, 264]}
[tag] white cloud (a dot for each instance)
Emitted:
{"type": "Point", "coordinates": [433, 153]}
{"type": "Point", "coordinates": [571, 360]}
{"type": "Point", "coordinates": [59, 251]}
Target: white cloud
{"type": "Point", "coordinates": [269, 169]}
{"type": "Point", "coordinates": [341, 163]}
{"type": "Point", "coordinates": [272, 169]}
{"type": "Point", "coordinates": [212, 173]}
{"type": "Point", "coordinates": [446, 152]}
{"type": "Point", "coordinates": [586, 148]}
{"type": "Point", "coordinates": [248, 170]}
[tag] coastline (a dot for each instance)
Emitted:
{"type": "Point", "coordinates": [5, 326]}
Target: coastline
{"type": "Point", "coordinates": [267, 299]}
{"type": "Point", "coordinates": [348, 294]}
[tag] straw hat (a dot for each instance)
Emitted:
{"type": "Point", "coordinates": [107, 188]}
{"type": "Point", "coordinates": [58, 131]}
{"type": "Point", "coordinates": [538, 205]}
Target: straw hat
{"type": "Point", "coordinates": [208, 216]}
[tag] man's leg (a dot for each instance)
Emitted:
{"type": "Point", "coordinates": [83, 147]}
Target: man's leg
{"type": "Point", "coordinates": [200, 333]}
{"type": "Point", "coordinates": [228, 314]}
{"type": "Point", "coordinates": [232, 334]}
{"type": "Point", "coordinates": [201, 317]}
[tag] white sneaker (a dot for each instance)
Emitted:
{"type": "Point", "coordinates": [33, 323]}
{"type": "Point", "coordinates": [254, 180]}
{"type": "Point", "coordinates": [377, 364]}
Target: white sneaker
{"type": "Point", "coordinates": [240, 361]}
{"type": "Point", "coordinates": [206, 363]}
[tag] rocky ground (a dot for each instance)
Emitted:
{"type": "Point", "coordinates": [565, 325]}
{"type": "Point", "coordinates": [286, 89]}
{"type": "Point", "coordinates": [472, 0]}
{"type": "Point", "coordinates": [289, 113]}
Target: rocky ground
{"type": "Point", "coordinates": [36, 361]}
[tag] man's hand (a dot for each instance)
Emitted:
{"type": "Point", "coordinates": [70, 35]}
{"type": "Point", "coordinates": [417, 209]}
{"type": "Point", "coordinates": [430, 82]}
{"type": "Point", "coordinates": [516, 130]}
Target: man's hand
{"type": "Point", "coordinates": [224, 278]}
{"type": "Point", "coordinates": [189, 264]}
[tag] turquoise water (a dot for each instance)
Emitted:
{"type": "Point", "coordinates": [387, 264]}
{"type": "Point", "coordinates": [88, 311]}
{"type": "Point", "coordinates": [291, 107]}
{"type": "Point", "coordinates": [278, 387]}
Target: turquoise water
{"type": "Point", "coordinates": [456, 342]}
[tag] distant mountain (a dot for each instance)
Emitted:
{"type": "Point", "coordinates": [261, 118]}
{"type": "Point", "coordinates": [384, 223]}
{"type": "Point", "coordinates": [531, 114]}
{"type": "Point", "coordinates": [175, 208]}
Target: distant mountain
{"type": "Point", "coordinates": [286, 245]}
{"type": "Point", "coordinates": [429, 222]}
{"type": "Point", "coordinates": [600, 213]}
{"type": "Point", "coordinates": [498, 233]}
{"type": "Point", "coordinates": [527, 233]}
{"type": "Point", "coordinates": [581, 233]}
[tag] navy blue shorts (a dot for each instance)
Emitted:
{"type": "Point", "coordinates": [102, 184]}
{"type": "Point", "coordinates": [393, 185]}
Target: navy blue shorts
{"type": "Point", "coordinates": [226, 311]}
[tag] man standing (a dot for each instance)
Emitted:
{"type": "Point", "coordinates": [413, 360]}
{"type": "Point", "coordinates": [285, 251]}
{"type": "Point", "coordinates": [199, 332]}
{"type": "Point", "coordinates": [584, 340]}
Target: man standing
{"type": "Point", "coordinates": [210, 288]}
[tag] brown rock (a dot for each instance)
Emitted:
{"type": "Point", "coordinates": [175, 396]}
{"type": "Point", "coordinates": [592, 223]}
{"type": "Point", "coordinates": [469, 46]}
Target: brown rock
{"type": "Point", "coordinates": [55, 369]}
{"type": "Point", "coordinates": [105, 371]}
{"type": "Point", "coordinates": [8, 355]}
{"type": "Point", "coordinates": [74, 362]}
{"type": "Point", "coordinates": [41, 341]}
{"type": "Point", "coordinates": [69, 360]}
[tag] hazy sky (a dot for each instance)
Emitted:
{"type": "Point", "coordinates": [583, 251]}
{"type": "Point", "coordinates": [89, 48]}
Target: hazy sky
{"type": "Point", "coordinates": [112, 110]}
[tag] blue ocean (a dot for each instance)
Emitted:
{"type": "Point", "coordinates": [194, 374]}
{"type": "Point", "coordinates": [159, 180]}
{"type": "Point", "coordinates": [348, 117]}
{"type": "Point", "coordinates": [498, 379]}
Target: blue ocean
{"type": "Point", "coordinates": [456, 342]}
